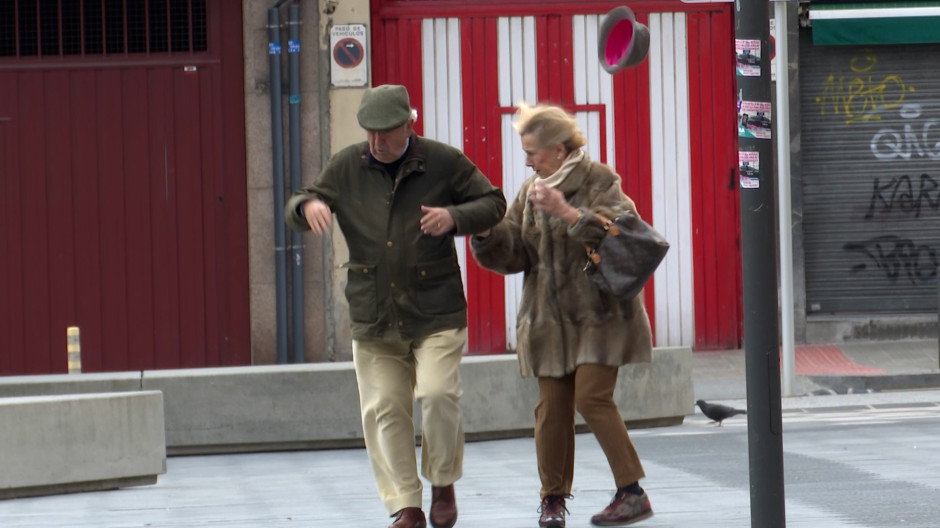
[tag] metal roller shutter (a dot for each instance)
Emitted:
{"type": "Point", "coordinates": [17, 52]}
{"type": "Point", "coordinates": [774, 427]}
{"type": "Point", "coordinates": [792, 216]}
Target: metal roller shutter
{"type": "Point", "coordinates": [871, 177]}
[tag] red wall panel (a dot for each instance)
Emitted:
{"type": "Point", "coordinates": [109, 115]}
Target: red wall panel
{"type": "Point", "coordinates": [486, 290]}
{"type": "Point", "coordinates": [87, 311]}
{"type": "Point", "coordinates": [139, 239]}
{"type": "Point", "coordinates": [12, 336]}
{"type": "Point", "coordinates": [715, 198]}
{"type": "Point", "coordinates": [113, 223]}
{"type": "Point", "coordinates": [633, 163]}
{"type": "Point", "coordinates": [715, 209]}
{"type": "Point", "coordinates": [124, 209]}
{"type": "Point", "coordinates": [34, 257]}
{"type": "Point", "coordinates": [61, 275]}
{"type": "Point", "coordinates": [190, 234]}
{"type": "Point", "coordinates": [230, 269]}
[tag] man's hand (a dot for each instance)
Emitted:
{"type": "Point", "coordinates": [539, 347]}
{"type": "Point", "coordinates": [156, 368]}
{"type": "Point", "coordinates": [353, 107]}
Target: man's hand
{"type": "Point", "coordinates": [319, 216]}
{"type": "Point", "coordinates": [436, 221]}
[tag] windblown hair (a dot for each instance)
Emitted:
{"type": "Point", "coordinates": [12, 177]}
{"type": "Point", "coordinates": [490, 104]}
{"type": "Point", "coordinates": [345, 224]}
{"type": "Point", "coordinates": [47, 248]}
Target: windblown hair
{"type": "Point", "coordinates": [550, 125]}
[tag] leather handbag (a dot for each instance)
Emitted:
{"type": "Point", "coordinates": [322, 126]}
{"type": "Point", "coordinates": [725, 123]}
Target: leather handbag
{"type": "Point", "coordinates": [626, 257]}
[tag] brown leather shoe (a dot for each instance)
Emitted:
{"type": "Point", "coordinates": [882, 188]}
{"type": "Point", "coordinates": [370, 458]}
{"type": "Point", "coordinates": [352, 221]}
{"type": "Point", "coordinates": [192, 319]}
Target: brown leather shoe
{"type": "Point", "coordinates": [409, 518]}
{"type": "Point", "coordinates": [443, 507]}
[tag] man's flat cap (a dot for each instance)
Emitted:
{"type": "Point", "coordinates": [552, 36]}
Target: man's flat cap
{"type": "Point", "coordinates": [384, 107]}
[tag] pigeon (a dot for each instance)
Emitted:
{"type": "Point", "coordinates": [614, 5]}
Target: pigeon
{"type": "Point", "coordinates": [718, 412]}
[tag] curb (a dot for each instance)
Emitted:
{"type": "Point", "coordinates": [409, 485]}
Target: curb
{"type": "Point", "coordinates": [851, 384]}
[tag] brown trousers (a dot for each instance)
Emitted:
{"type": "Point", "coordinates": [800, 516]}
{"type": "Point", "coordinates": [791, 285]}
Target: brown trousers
{"type": "Point", "coordinates": [590, 390]}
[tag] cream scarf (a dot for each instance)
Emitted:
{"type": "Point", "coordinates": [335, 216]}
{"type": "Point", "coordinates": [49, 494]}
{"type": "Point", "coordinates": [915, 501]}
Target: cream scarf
{"type": "Point", "coordinates": [555, 179]}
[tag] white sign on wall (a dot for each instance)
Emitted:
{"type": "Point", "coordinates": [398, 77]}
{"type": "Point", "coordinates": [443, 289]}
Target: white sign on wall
{"type": "Point", "coordinates": [348, 55]}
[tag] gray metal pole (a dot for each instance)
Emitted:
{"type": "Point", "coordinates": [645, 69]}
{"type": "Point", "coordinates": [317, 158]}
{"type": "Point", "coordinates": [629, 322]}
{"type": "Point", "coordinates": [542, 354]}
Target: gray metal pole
{"type": "Point", "coordinates": [761, 324]}
{"type": "Point", "coordinates": [277, 146]}
{"type": "Point", "coordinates": [297, 248]}
{"type": "Point", "coordinates": [784, 202]}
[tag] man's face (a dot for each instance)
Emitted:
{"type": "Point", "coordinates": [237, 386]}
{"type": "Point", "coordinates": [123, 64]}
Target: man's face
{"type": "Point", "coordinates": [388, 145]}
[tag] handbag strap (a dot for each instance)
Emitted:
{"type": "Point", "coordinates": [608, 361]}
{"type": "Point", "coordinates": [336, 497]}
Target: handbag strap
{"type": "Point", "coordinates": [610, 227]}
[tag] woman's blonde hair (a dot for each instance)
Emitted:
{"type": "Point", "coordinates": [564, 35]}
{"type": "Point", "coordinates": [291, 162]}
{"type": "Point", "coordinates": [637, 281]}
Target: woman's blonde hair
{"type": "Point", "coordinates": [550, 125]}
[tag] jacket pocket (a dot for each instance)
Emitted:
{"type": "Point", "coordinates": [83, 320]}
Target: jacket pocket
{"type": "Point", "coordinates": [361, 292]}
{"type": "Point", "coordinates": [440, 288]}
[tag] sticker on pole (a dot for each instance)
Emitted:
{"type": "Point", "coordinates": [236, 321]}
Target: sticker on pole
{"type": "Point", "coordinates": [348, 55]}
{"type": "Point", "coordinates": [747, 58]}
{"type": "Point", "coordinates": [749, 169]}
{"type": "Point", "coordinates": [754, 120]}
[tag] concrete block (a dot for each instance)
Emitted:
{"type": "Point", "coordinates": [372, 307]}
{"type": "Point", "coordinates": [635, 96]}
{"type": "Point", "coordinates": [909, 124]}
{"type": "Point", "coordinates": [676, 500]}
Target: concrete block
{"type": "Point", "coordinates": [52, 384]}
{"type": "Point", "coordinates": [82, 442]}
{"type": "Point", "coordinates": [660, 392]}
{"type": "Point", "coordinates": [273, 407]}
{"type": "Point", "coordinates": [498, 403]}
{"type": "Point", "coordinates": [316, 405]}
{"type": "Point", "coordinates": [885, 327]}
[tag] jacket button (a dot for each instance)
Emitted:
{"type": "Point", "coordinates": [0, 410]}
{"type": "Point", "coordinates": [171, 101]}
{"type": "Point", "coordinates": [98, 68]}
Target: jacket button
{"type": "Point", "coordinates": [392, 285]}
{"type": "Point", "coordinates": [424, 273]}
{"type": "Point", "coordinates": [400, 323]}
{"type": "Point", "coordinates": [365, 271]}
{"type": "Point", "coordinates": [389, 243]}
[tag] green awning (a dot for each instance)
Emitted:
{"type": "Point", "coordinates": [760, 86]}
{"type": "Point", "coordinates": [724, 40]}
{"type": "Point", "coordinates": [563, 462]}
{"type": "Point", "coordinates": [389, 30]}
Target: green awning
{"type": "Point", "coordinates": [875, 23]}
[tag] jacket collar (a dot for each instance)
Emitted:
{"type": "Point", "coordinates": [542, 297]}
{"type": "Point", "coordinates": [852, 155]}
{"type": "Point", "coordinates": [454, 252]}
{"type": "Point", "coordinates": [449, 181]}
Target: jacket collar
{"type": "Point", "coordinates": [416, 151]}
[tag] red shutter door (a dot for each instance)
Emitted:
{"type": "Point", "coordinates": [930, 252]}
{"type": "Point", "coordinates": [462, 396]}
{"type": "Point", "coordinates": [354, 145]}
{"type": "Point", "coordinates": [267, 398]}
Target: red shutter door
{"type": "Point", "coordinates": [125, 211]}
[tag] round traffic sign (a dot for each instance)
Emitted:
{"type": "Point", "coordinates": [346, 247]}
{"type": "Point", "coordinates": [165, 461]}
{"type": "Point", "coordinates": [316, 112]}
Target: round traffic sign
{"type": "Point", "coordinates": [348, 52]}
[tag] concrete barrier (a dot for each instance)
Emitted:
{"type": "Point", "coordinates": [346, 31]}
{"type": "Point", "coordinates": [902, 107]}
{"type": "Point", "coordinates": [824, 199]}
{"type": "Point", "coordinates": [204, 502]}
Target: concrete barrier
{"type": "Point", "coordinates": [316, 406]}
{"type": "Point", "coordinates": [52, 384]}
{"type": "Point", "coordinates": [498, 403]}
{"type": "Point", "coordinates": [219, 410]}
{"type": "Point", "coordinates": [80, 442]}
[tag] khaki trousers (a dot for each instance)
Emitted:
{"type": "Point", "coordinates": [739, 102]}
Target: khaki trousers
{"type": "Point", "coordinates": [590, 390]}
{"type": "Point", "coordinates": [391, 374]}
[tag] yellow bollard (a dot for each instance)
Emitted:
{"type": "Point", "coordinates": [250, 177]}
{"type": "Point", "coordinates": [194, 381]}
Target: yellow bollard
{"type": "Point", "coordinates": [74, 340]}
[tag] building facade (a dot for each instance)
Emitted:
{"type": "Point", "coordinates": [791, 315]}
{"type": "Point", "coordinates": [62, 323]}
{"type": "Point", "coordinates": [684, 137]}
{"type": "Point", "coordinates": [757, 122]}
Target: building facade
{"type": "Point", "coordinates": [139, 184]}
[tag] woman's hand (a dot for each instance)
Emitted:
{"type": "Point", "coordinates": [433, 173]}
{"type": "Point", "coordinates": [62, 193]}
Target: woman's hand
{"type": "Point", "coordinates": [552, 201]}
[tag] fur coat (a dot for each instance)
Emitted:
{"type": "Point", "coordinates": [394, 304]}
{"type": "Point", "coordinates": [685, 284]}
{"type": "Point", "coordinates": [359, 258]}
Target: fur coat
{"type": "Point", "coordinates": [563, 320]}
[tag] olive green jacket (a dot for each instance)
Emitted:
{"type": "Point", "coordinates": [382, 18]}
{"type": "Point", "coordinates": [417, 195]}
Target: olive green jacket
{"type": "Point", "coordinates": [402, 282]}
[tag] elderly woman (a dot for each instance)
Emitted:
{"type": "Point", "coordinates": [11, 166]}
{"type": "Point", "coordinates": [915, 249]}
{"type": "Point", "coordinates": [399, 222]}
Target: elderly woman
{"type": "Point", "coordinates": [570, 336]}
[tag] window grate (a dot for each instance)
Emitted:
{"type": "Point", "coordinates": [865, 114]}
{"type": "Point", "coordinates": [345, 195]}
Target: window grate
{"type": "Point", "coordinates": [58, 28]}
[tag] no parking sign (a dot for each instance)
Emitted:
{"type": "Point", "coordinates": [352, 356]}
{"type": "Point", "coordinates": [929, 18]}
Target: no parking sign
{"type": "Point", "coordinates": [348, 55]}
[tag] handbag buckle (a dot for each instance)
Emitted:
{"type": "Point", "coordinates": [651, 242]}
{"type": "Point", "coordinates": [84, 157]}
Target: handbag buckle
{"type": "Point", "coordinates": [593, 258]}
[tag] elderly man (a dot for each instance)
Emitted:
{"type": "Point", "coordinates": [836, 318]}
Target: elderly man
{"type": "Point", "coordinates": [399, 199]}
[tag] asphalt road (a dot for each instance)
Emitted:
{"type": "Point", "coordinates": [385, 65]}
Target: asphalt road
{"type": "Point", "coordinates": [850, 461]}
